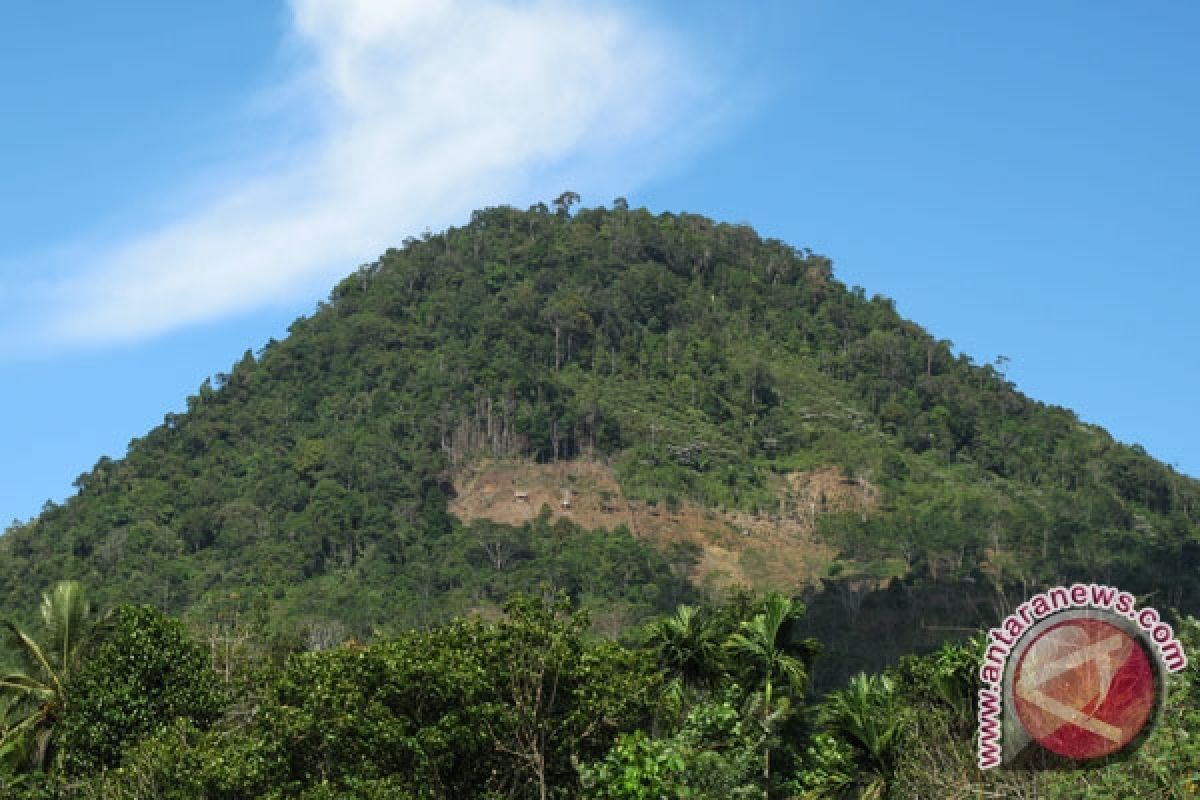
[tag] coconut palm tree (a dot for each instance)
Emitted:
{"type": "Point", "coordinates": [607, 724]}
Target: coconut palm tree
{"type": "Point", "coordinates": [762, 642]}
{"type": "Point", "coordinates": [35, 690]}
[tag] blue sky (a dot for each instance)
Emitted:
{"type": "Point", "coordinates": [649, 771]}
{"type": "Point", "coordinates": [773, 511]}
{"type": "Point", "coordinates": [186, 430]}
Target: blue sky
{"type": "Point", "coordinates": [1023, 178]}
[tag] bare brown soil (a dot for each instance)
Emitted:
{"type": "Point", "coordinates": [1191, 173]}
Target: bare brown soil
{"type": "Point", "coordinates": [760, 551]}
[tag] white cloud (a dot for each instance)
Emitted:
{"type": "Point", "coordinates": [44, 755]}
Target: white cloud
{"type": "Point", "coordinates": [425, 109]}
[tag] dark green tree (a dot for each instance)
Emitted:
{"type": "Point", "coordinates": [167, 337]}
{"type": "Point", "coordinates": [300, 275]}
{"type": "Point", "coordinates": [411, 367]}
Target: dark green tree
{"type": "Point", "coordinates": [142, 675]}
{"type": "Point", "coordinates": [563, 203]}
{"type": "Point", "coordinates": [687, 645]}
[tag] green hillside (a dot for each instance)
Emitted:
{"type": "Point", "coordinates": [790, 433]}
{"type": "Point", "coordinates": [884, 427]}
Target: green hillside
{"type": "Point", "coordinates": [310, 482]}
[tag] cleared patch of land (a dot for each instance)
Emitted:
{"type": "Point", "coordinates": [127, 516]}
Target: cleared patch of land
{"type": "Point", "coordinates": [763, 551]}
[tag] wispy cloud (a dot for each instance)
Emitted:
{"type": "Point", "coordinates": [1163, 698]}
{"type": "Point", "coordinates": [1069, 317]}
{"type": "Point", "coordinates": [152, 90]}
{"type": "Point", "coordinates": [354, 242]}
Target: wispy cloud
{"type": "Point", "coordinates": [424, 109]}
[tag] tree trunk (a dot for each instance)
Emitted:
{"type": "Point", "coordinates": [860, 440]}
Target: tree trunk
{"type": "Point", "coordinates": [767, 741]}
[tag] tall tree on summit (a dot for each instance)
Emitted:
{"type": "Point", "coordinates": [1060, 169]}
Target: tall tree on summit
{"type": "Point", "coordinates": [563, 203]}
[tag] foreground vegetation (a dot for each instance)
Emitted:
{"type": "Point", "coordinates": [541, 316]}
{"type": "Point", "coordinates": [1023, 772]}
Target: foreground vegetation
{"type": "Point", "coordinates": [709, 702]}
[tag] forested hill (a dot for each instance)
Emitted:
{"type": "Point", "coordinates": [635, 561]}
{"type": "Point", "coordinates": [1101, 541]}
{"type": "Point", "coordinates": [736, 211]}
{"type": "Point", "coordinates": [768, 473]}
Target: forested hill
{"type": "Point", "coordinates": [696, 359]}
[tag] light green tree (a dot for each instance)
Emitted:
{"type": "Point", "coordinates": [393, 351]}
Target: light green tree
{"type": "Point", "coordinates": [868, 714]}
{"type": "Point", "coordinates": [36, 688]}
{"type": "Point", "coordinates": [782, 674]}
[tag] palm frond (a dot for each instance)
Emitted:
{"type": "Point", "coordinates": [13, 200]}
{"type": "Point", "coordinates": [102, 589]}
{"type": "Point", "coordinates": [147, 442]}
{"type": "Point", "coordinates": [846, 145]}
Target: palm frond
{"type": "Point", "coordinates": [748, 642]}
{"type": "Point", "coordinates": [19, 685]}
{"type": "Point", "coordinates": [29, 651]}
{"type": "Point", "coordinates": [761, 640]}
{"type": "Point", "coordinates": [686, 644]}
{"type": "Point", "coordinates": [792, 670]}
{"type": "Point", "coordinates": [778, 612]}
{"type": "Point", "coordinates": [25, 742]}
{"type": "Point", "coordinates": [32, 698]}
{"type": "Point", "coordinates": [65, 615]}
{"type": "Point", "coordinates": [868, 713]}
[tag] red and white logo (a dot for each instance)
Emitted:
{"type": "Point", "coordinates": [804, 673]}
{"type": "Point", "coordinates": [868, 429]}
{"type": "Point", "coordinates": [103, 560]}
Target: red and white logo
{"type": "Point", "coordinates": [1084, 688]}
{"type": "Point", "coordinates": [1076, 672]}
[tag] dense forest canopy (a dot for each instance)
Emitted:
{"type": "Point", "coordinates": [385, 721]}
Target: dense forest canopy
{"type": "Point", "coordinates": [695, 357]}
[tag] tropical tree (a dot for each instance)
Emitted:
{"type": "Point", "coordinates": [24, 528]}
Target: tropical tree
{"type": "Point", "coordinates": [567, 312]}
{"type": "Point", "coordinates": [144, 673]}
{"type": "Point", "coordinates": [687, 647]}
{"type": "Point", "coordinates": [36, 689]}
{"type": "Point", "coordinates": [868, 714]}
{"type": "Point", "coordinates": [563, 203]}
{"type": "Point", "coordinates": [562, 702]}
{"type": "Point", "coordinates": [781, 671]}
